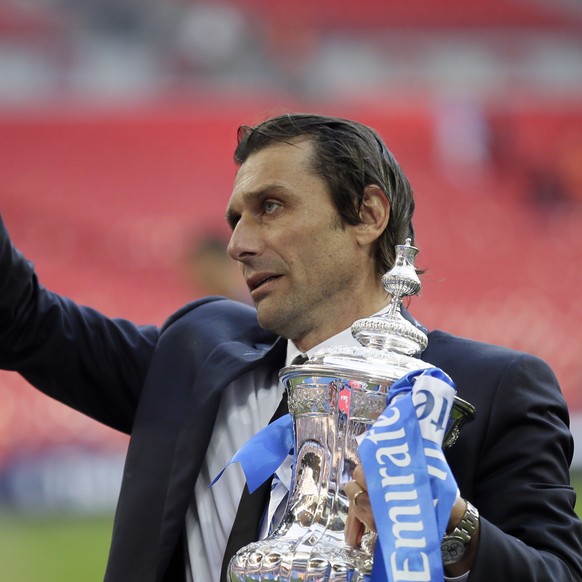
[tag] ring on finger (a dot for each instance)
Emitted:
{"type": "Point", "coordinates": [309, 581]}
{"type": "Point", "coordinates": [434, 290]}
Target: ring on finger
{"type": "Point", "coordinates": [355, 498]}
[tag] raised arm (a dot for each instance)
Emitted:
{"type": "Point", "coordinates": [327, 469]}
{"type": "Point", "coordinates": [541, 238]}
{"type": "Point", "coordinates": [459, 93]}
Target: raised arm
{"type": "Point", "coordinates": [75, 354]}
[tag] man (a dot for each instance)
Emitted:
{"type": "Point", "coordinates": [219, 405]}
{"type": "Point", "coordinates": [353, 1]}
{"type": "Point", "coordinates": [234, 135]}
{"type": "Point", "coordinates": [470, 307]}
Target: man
{"type": "Point", "coordinates": [317, 207]}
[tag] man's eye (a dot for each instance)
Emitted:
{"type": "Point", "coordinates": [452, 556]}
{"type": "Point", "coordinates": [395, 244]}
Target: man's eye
{"type": "Point", "coordinates": [270, 206]}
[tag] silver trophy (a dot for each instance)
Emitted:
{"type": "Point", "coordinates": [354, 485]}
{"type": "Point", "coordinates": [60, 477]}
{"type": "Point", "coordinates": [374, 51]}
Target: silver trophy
{"type": "Point", "coordinates": [334, 398]}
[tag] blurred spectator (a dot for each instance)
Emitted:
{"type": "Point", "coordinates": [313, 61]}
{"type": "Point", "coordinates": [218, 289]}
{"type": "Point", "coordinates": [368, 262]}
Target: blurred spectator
{"type": "Point", "coordinates": [554, 183]}
{"type": "Point", "coordinates": [570, 164]}
{"type": "Point", "coordinates": [545, 189]}
{"type": "Point", "coordinates": [462, 136]}
{"type": "Point", "coordinates": [213, 39]}
{"type": "Point", "coordinates": [208, 270]}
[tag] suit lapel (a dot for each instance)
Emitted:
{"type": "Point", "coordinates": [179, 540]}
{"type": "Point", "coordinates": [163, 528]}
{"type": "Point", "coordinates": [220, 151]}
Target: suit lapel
{"type": "Point", "coordinates": [226, 363]}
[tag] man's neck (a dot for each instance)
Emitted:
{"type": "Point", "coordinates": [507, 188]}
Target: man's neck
{"type": "Point", "coordinates": [342, 337]}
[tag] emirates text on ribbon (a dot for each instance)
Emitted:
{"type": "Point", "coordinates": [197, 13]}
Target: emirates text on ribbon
{"type": "Point", "coordinates": [401, 500]}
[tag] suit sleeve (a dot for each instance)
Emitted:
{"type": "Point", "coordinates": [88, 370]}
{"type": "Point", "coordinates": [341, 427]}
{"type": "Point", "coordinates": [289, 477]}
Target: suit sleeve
{"type": "Point", "coordinates": [529, 530]}
{"type": "Point", "coordinates": [72, 353]}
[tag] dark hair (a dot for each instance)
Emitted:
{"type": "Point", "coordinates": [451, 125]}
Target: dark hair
{"type": "Point", "coordinates": [349, 156]}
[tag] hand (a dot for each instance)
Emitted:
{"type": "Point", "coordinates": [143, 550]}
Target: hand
{"type": "Point", "coordinates": [360, 514]}
{"type": "Point", "coordinates": [360, 518]}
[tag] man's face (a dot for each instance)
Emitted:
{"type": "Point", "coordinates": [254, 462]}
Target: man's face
{"type": "Point", "coordinates": [299, 262]}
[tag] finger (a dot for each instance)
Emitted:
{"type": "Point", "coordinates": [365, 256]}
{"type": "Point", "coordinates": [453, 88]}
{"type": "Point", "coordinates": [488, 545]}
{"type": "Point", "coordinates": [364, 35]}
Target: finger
{"type": "Point", "coordinates": [365, 515]}
{"type": "Point", "coordinates": [352, 488]}
{"type": "Point", "coordinates": [367, 518]}
{"type": "Point", "coordinates": [357, 495]}
{"type": "Point", "coordinates": [354, 529]}
{"type": "Point", "coordinates": [359, 477]}
{"type": "Point", "coordinates": [360, 500]}
{"type": "Point", "coordinates": [360, 508]}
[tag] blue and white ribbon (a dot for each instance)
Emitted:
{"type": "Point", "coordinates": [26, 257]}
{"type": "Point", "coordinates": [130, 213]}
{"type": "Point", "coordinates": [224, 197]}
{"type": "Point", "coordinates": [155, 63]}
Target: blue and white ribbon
{"type": "Point", "coordinates": [411, 486]}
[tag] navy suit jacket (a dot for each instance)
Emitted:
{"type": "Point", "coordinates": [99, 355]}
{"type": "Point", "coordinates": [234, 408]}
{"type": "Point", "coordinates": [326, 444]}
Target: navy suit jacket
{"type": "Point", "coordinates": [163, 387]}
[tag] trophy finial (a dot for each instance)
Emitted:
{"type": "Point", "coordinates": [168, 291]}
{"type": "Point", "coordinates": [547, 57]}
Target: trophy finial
{"type": "Point", "coordinates": [390, 330]}
{"type": "Point", "coordinates": [402, 280]}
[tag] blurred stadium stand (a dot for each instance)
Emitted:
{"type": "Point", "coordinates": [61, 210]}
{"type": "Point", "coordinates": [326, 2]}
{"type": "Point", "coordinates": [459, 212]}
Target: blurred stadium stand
{"type": "Point", "coordinates": [131, 49]}
{"type": "Point", "coordinates": [117, 125]}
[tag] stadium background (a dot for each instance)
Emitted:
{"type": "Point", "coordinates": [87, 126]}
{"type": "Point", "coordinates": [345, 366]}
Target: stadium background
{"type": "Point", "coordinates": [117, 126]}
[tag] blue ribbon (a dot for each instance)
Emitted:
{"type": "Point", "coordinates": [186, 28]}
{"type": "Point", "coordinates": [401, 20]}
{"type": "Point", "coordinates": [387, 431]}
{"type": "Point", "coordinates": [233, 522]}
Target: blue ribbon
{"type": "Point", "coordinates": [411, 487]}
{"type": "Point", "coordinates": [264, 452]}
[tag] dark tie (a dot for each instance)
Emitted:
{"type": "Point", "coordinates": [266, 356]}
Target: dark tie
{"type": "Point", "coordinates": [251, 507]}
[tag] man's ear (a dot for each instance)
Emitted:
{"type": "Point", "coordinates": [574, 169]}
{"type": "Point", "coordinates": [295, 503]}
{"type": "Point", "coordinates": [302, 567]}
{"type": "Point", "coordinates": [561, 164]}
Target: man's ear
{"type": "Point", "coordinates": [374, 215]}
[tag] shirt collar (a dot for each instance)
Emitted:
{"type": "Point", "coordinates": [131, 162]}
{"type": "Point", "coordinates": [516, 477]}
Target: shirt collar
{"type": "Point", "coordinates": [343, 338]}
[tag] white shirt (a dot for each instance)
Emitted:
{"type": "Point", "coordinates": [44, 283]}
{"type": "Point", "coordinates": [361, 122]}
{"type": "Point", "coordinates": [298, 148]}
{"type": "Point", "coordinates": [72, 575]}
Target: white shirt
{"type": "Point", "coordinates": [246, 407]}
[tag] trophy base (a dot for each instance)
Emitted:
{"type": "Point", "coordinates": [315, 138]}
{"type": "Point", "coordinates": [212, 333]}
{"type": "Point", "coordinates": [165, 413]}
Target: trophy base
{"type": "Point", "coordinates": [285, 560]}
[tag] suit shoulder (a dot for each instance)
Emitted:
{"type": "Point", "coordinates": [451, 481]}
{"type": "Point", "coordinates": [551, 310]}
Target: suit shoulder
{"type": "Point", "coordinates": [464, 355]}
{"type": "Point", "coordinates": [218, 317]}
{"type": "Point", "coordinates": [447, 344]}
{"type": "Point", "coordinates": [482, 371]}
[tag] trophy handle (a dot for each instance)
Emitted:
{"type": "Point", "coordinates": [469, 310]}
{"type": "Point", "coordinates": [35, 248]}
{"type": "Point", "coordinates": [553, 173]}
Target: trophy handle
{"type": "Point", "coordinates": [461, 413]}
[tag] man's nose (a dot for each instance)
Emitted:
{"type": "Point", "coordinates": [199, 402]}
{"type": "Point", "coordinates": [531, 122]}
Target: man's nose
{"type": "Point", "coordinates": [244, 241]}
